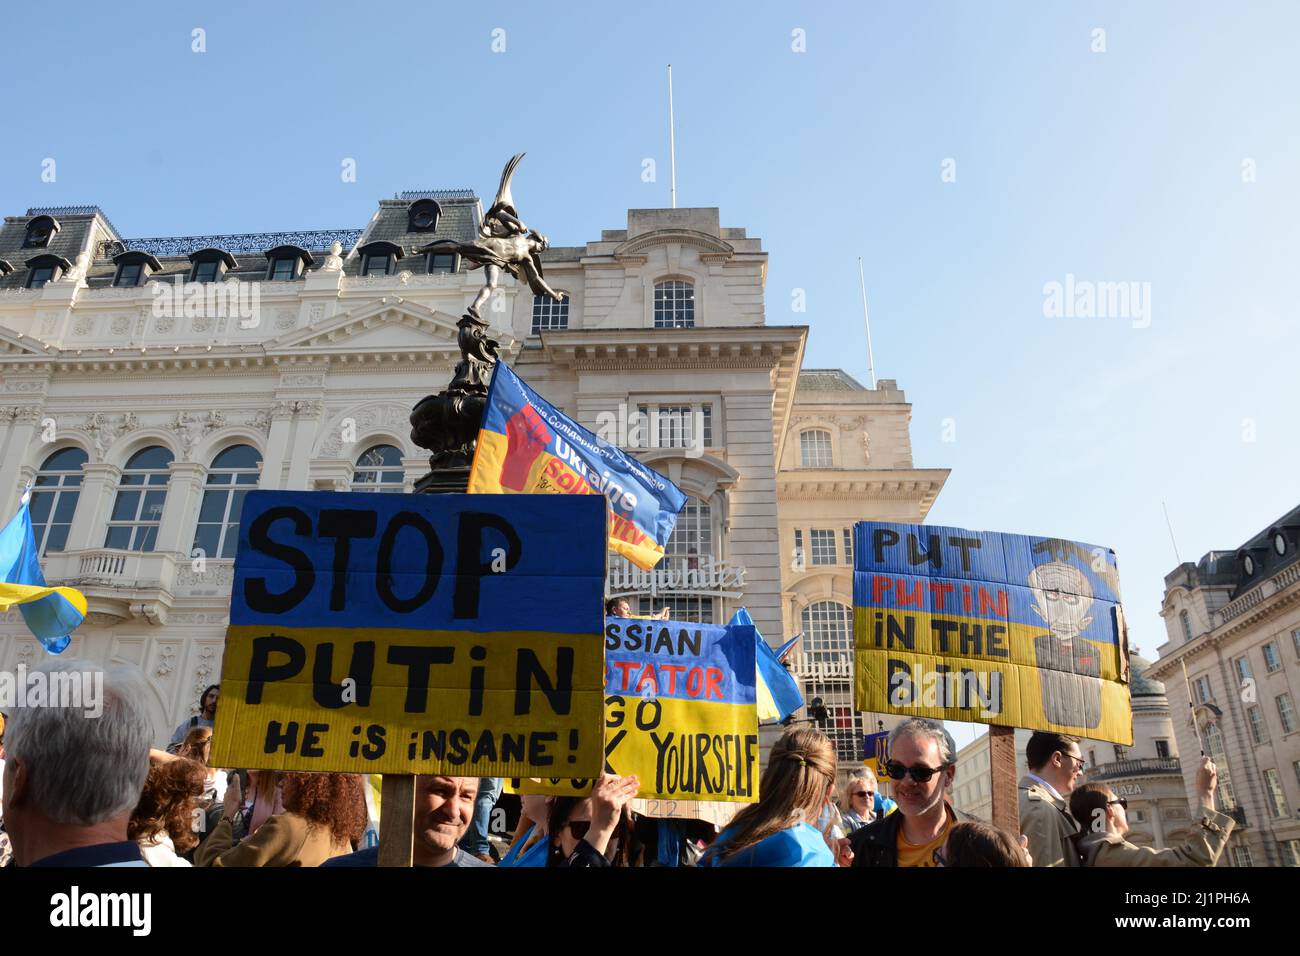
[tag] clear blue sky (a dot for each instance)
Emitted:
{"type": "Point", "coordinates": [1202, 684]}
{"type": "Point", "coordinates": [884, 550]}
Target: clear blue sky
{"type": "Point", "coordinates": [1123, 165]}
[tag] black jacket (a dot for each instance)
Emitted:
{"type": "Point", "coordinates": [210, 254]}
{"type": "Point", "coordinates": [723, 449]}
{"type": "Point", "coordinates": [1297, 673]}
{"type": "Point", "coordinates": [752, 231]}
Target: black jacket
{"type": "Point", "coordinates": [584, 855]}
{"type": "Point", "coordinates": [876, 844]}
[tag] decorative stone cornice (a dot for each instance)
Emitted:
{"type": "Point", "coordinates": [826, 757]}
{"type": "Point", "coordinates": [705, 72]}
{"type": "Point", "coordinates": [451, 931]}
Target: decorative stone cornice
{"type": "Point", "coordinates": [704, 348]}
{"type": "Point", "coordinates": [686, 237]}
{"type": "Point", "coordinates": [921, 485]}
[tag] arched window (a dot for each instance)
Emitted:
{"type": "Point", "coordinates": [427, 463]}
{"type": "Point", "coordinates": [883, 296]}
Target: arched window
{"type": "Point", "coordinates": [54, 498]}
{"type": "Point", "coordinates": [828, 641]}
{"type": "Point", "coordinates": [233, 474]}
{"type": "Point", "coordinates": [674, 305]}
{"type": "Point", "coordinates": [827, 632]}
{"type": "Point", "coordinates": [550, 315]}
{"type": "Point", "coordinates": [379, 469]}
{"type": "Point", "coordinates": [815, 448]}
{"type": "Point", "coordinates": [1187, 625]}
{"type": "Point", "coordinates": [688, 549]}
{"type": "Point", "coordinates": [140, 497]}
{"type": "Point", "coordinates": [692, 536]}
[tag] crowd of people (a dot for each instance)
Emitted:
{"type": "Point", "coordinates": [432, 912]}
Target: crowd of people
{"type": "Point", "coordinates": [82, 791]}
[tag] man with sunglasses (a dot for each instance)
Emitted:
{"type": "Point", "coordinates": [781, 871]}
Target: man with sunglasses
{"type": "Point", "coordinates": [922, 757]}
{"type": "Point", "coordinates": [1054, 765]}
{"type": "Point", "coordinates": [1104, 822]}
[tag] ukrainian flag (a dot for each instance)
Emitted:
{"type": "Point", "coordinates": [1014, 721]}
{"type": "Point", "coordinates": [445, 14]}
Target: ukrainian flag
{"type": "Point", "coordinates": [778, 695]}
{"type": "Point", "coordinates": [51, 613]}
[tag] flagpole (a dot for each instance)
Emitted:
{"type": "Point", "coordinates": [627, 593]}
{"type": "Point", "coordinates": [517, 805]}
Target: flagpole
{"type": "Point", "coordinates": [871, 359]}
{"type": "Point", "coordinates": [1170, 525]}
{"type": "Point", "coordinates": [1191, 710]}
{"type": "Point", "coordinates": [672, 142]}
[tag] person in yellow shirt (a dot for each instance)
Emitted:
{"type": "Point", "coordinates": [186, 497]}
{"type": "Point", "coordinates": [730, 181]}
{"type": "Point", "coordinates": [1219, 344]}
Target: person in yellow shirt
{"type": "Point", "coordinates": [922, 764]}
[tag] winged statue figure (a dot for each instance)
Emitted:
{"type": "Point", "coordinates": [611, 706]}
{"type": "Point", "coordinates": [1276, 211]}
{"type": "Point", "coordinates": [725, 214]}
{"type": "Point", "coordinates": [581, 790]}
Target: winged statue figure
{"type": "Point", "coordinates": [503, 243]}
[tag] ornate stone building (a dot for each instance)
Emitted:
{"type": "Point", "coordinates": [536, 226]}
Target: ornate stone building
{"type": "Point", "coordinates": [147, 384]}
{"type": "Point", "coordinates": [1233, 619]}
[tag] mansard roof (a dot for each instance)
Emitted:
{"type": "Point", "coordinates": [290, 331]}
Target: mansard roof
{"type": "Point", "coordinates": [828, 380]}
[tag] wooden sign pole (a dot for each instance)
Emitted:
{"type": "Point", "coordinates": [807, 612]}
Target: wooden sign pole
{"type": "Point", "coordinates": [1002, 779]}
{"type": "Point", "coordinates": [396, 819]}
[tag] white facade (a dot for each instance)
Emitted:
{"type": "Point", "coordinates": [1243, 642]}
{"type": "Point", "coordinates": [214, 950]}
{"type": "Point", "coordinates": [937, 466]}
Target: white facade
{"type": "Point", "coordinates": [141, 415]}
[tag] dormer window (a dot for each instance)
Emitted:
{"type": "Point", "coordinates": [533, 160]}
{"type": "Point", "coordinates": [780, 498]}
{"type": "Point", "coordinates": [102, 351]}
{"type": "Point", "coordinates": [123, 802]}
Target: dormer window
{"type": "Point", "coordinates": [285, 263]}
{"type": "Point", "coordinates": [423, 215]}
{"type": "Point", "coordinates": [44, 269]}
{"type": "Point", "coordinates": [1249, 558]}
{"type": "Point", "coordinates": [210, 265]}
{"type": "Point", "coordinates": [133, 268]}
{"type": "Point", "coordinates": [379, 258]}
{"type": "Point", "coordinates": [442, 262]}
{"type": "Point", "coordinates": [283, 269]}
{"type": "Point", "coordinates": [40, 231]}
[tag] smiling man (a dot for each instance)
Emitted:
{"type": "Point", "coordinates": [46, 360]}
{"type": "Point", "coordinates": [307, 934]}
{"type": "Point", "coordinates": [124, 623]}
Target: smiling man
{"type": "Point", "coordinates": [444, 807]}
{"type": "Point", "coordinates": [922, 757]}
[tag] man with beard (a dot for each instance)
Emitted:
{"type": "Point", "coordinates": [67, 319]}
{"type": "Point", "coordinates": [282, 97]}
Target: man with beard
{"type": "Point", "coordinates": [206, 717]}
{"type": "Point", "coordinates": [444, 807]}
{"type": "Point", "coordinates": [922, 763]}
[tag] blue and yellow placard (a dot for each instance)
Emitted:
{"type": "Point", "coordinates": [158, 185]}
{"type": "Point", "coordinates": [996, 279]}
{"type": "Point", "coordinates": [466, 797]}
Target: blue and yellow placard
{"type": "Point", "coordinates": [528, 446]}
{"type": "Point", "coordinates": [680, 712]}
{"type": "Point", "coordinates": [449, 634]}
{"type": "Point", "coordinates": [993, 628]}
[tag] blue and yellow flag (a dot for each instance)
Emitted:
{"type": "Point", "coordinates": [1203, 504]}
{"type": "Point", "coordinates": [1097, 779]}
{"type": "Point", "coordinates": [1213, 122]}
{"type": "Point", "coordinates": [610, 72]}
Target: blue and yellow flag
{"type": "Point", "coordinates": [777, 693]}
{"type": "Point", "coordinates": [528, 446]}
{"type": "Point", "coordinates": [51, 613]}
{"type": "Point", "coordinates": [875, 751]}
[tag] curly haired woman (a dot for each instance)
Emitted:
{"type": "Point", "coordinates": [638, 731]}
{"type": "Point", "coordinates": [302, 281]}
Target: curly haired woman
{"type": "Point", "coordinates": [163, 822]}
{"type": "Point", "coordinates": [325, 813]}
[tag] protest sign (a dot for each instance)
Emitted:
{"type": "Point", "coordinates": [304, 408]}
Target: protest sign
{"type": "Point", "coordinates": [875, 752]}
{"type": "Point", "coordinates": [680, 712]}
{"type": "Point", "coordinates": [717, 812]}
{"type": "Point", "coordinates": [527, 445]}
{"type": "Point", "coordinates": [403, 634]}
{"type": "Point", "coordinates": [1000, 629]}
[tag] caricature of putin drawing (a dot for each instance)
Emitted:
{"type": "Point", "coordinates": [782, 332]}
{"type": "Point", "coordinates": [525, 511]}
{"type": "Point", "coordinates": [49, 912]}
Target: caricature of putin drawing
{"type": "Point", "coordinates": [1069, 667]}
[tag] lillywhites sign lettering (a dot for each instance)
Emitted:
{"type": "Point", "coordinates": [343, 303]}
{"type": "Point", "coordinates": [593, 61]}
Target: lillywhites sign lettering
{"type": "Point", "coordinates": [801, 665]}
{"type": "Point", "coordinates": [710, 576]}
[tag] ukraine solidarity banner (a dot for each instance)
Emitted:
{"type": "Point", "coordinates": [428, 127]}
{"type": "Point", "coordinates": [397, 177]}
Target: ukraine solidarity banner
{"type": "Point", "coordinates": [528, 446]}
{"type": "Point", "coordinates": [415, 634]}
{"type": "Point", "coordinates": [993, 628]}
{"type": "Point", "coordinates": [680, 712]}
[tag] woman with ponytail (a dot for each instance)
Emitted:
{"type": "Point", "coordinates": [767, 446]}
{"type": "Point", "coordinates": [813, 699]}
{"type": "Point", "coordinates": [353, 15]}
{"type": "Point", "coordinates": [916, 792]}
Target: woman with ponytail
{"type": "Point", "coordinates": [780, 830]}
